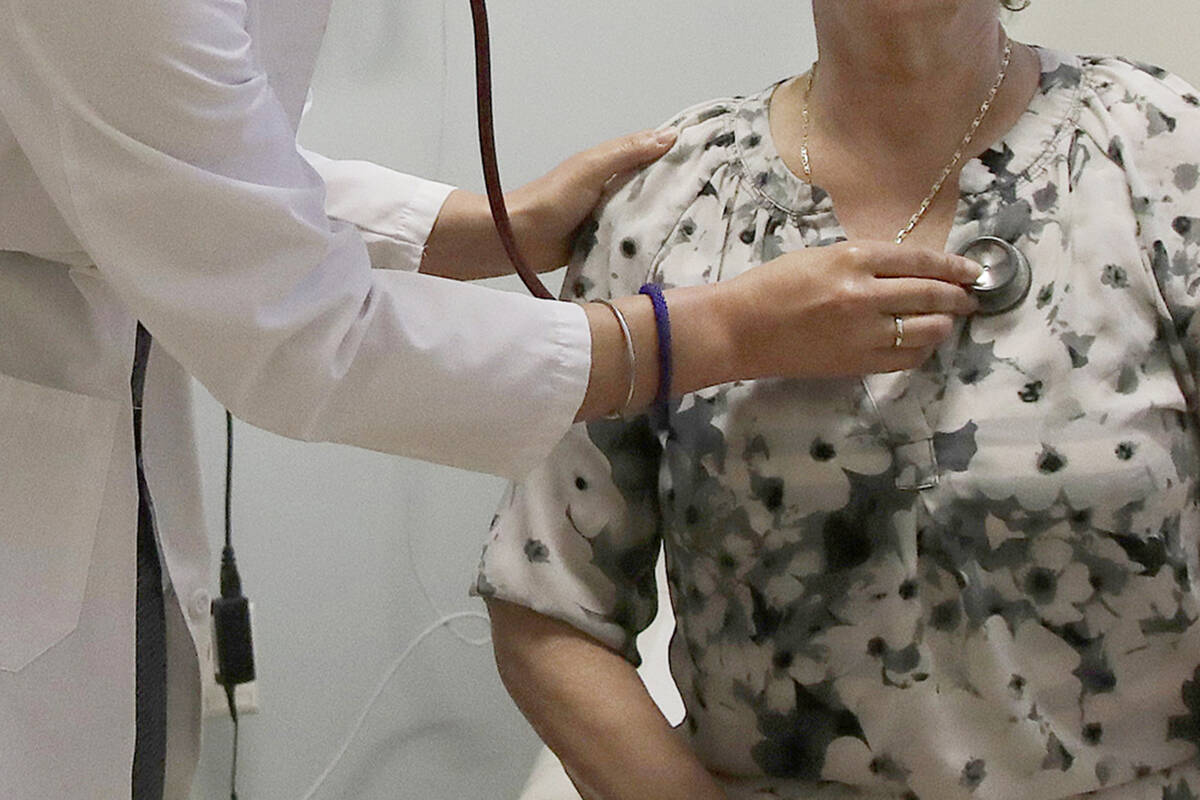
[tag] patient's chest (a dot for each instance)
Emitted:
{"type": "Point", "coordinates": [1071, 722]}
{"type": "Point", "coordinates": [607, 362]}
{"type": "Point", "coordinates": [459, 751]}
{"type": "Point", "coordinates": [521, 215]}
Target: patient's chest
{"type": "Point", "coordinates": [1020, 510]}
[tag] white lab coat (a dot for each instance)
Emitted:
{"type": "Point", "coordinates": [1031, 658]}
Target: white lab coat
{"type": "Point", "coordinates": [148, 171]}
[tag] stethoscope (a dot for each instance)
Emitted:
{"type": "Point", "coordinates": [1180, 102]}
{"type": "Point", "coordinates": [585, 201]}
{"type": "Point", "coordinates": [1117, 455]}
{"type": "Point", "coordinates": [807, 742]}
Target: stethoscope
{"type": "Point", "coordinates": [1006, 274]}
{"type": "Point", "coordinates": [1003, 285]}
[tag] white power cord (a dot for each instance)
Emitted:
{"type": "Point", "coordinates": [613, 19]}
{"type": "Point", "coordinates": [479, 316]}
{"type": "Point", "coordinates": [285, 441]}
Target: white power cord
{"type": "Point", "coordinates": [444, 620]}
{"type": "Point", "coordinates": [442, 615]}
{"type": "Point", "coordinates": [362, 717]}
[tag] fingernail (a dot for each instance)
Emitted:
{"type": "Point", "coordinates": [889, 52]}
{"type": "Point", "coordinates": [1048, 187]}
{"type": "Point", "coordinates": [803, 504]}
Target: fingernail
{"type": "Point", "coordinates": [667, 136]}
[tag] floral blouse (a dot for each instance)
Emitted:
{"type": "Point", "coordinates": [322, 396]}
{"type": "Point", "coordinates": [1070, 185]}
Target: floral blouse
{"type": "Point", "coordinates": [977, 579]}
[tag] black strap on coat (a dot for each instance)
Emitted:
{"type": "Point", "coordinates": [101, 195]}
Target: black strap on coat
{"type": "Point", "coordinates": [150, 748]}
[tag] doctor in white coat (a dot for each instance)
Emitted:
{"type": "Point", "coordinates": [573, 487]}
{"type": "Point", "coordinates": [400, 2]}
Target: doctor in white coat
{"type": "Point", "coordinates": [149, 172]}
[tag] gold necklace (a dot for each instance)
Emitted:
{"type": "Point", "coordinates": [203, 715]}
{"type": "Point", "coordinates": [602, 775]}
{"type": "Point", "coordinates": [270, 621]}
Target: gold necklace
{"type": "Point", "coordinates": [958, 154]}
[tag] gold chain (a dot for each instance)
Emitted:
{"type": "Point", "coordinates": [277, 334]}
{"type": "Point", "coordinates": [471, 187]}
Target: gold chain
{"type": "Point", "coordinates": [954, 162]}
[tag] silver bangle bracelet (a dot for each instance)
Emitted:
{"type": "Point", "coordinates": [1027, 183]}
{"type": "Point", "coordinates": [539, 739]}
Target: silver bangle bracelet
{"type": "Point", "coordinates": [630, 356]}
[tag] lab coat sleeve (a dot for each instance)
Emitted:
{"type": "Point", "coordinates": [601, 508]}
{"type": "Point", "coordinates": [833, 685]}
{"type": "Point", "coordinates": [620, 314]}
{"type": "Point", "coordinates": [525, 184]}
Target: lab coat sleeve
{"type": "Point", "coordinates": [392, 211]}
{"type": "Point", "coordinates": [161, 143]}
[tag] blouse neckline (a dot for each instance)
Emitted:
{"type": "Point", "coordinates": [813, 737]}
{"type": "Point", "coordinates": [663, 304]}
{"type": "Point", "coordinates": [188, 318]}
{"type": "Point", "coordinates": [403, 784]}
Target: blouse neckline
{"type": "Point", "coordinates": [1017, 157]}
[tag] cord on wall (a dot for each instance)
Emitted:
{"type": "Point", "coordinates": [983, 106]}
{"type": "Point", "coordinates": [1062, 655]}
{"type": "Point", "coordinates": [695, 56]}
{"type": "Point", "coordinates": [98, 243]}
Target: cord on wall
{"type": "Point", "coordinates": [444, 620]}
{"type": "Point", "coordinates": [387, 678]}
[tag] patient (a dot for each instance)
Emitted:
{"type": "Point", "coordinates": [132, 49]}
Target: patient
{"type": "Point", "coordinates": [972, 580]}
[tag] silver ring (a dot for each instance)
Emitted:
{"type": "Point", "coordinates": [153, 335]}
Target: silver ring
{"type": "Point", "coordinates": [899, 332]}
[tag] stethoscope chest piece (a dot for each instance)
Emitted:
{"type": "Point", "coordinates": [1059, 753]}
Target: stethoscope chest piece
{"type": "Point", "coordinates": [1006, 274]}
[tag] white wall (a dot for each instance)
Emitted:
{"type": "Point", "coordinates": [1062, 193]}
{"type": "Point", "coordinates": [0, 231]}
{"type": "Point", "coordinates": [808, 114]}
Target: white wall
{"type": "Point", "coordinates": [1162, 32]}
{"type": "Point", "coordinates": [321, 530]}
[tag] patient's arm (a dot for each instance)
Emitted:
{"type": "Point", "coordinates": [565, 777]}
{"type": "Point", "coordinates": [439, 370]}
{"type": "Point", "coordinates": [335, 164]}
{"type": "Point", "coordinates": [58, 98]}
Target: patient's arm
{"type": "Point", "coordinates": [589, 705]}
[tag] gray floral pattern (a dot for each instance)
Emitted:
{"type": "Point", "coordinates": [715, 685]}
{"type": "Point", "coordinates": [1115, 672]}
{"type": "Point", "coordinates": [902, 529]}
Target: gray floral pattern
{"type": "Point", "coordinates": [972, 580]}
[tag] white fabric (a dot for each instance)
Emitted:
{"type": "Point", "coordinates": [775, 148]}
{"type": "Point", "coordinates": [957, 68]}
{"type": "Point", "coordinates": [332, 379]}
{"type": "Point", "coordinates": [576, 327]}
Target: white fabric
{"type": "Point", "coordinates": [148, 170]}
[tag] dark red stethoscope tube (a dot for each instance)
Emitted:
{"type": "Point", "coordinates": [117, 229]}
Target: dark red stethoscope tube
{"type": "Point", "coordinates": [487, 149]}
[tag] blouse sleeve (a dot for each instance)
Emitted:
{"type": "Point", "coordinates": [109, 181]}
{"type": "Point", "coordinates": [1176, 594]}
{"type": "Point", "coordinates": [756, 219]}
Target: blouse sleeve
{"type": "Point", "coordinates": [578, 539]}
{"type": "Point", "coordinates": [1156, 137]}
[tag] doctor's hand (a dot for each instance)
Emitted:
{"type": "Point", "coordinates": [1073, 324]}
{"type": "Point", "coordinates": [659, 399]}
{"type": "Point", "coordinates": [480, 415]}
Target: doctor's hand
{"type": "Point", "coordinates": [545, 213]}
{"type": "Point", "coordinates": [853, 308]}
{"type": "Point", "coordinates": [821, 312]}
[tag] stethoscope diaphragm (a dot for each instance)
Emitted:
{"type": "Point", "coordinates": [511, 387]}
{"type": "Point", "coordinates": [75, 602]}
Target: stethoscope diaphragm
{"type": "Point", "coordinates": [1006, 274]}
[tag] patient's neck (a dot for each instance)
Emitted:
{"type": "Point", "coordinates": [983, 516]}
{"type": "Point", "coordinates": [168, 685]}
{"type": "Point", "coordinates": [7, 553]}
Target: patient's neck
{"type": "Point", "coordinates": [895, 73]}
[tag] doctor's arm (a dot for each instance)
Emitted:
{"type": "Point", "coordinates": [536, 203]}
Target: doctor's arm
{"type": "Point", "coordinates": [391, 210]}
{"type": "Point", "coordinates": [545, 213]}
{"type": "Point", "coordinates": [158, 138]}
{"type": "Point", "coordinates": [161, 143]}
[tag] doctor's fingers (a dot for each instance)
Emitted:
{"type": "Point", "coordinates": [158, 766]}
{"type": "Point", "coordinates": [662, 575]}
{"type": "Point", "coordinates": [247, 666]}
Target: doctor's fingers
{"type": "Point", "coordinates": [890, 261]}
{"type": "Point", "coordinates": [596, 165]}
{"type": "Point", "coordinates": [923, 296]}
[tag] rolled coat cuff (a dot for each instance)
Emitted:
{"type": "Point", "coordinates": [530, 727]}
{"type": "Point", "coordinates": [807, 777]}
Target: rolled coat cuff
{"type": "Point", "coordinates": [393, 212]}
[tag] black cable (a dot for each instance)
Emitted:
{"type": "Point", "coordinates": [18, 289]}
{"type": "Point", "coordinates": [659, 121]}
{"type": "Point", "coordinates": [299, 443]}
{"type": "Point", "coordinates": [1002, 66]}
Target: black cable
{"type": "Point", "coordinates": [228, 480]}
{"type": "Point", "coordinates": [232, 700]}
{"type": "Point", "coordinates": [231, 616]}
{"type": "Point", "coordinates": [230, 689]}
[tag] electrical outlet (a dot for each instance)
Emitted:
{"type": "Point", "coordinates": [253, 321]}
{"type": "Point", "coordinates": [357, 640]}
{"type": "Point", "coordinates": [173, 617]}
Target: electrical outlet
{"type": "Point", "coordinates": [212, 694]}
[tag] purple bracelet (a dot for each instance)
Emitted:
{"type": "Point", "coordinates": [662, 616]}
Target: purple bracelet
{"type": "Point", "coordinates": [662, 322]}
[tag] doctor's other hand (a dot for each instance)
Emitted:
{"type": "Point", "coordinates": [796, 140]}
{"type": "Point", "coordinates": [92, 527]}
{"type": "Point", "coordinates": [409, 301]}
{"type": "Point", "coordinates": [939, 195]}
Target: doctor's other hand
{"type": "Point", "coordinates": [545, 213]}
{"type": "Point", "coordinates": [853, 308]}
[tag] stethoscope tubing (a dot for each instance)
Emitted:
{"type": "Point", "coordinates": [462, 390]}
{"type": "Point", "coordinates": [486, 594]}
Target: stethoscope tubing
{"type": "Point", "coordinates": [487, 151]}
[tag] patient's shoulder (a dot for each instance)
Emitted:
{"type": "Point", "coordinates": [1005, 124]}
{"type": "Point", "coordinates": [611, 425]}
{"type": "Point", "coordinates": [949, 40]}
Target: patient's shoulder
{"type": "Point", "coordinates": [710, 127]}
{"type": "Point", "coordinates": [646, 210]}
{"type": "Point", "coordinates": [710, 113]}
